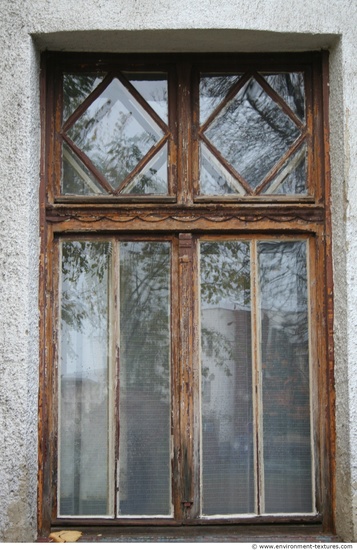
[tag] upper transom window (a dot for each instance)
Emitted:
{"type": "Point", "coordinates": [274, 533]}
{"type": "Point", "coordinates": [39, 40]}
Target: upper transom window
{"type": "Point", "coordinates": [247, 130]}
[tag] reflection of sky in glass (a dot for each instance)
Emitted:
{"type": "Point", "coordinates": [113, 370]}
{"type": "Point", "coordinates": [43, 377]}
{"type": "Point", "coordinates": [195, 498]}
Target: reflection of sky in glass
{"type": "Point", "coordinates": [214, 178]}
{"type": "Point", "coordinates": [144, 476]}
{"type": "Point", "coordinates": [252, 133]}
{"type": "Point", "coordinates": [153, 178]}
{"type": "Point", "coordinates": [291, 178]}
{"type": "Point", "coordinates": [226, 379]}
{"type": "Point", "coordinates": [213, 89]}
{"type": "Point", "coordinates": [84, 464]}
{"type": "Point", "coordinates": [283, 284]}
{"type": "Point", "coordinates": [76, 178]}
{"type": "Point", "coordinates": [76, 88]}
{"type": "Point", "coordinates": [154, 91]}
{"type": "Point", "coordinates": [115, 132]}
{"type": "Point", "coordinates": [285, 377]}
{"type": "Point", "coordinates": [84, 309]}
{"type": "Point", "coordinates": [291, 87]}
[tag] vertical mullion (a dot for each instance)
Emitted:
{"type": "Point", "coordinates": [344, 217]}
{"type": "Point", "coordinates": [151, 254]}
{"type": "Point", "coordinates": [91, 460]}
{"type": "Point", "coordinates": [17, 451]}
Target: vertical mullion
{"type": "Point", "coordinates": [184, 188]}
{"type": "Point", "coordinates": [257, 381]}
{"type": "Point", "coordinates": [186, 372]}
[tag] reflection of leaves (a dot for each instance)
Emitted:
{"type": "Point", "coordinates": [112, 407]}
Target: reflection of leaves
{"type": "Point", "coordinates": [84, 273]}
{"type": "Point", "coordinates": [285, 334]}
{"type": "Point", "coordinates": [76, 88]}
{"type": "Point", "coordinates": [84, 299]}
{"type": "Point", "coordinates": [283, 275]}
{"type": "Point", "coordinates": [225, 272]}
{"type": "Point", "coordinates": [225, 282]}
{"type": "Point", "coordinates": [144, 303]}
{"type": "Point", "coordinates": [114, 134]}
{"type": "Point", "coordinates": [80, 257]}
{"type": "Point", "coordinates": [145, 313]}
{"type": "Point", "coordinates": [216, 344]}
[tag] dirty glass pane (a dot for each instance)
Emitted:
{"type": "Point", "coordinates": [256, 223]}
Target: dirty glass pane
{"type": "Point", "coordinates": [213, 89]}
{"type": "Point", "coordinates": [252, 133]}
{"type": "Point", "coordinates": [83, 380]}
{"type": "Point", "coordinates": [286, 385]}
{"type": "Point", "coordinates": [76, 178]}
{"type": "Point", "coordinates": [291, 87]}
{"type": "Point", "coordinates": [214, 178]}
{"type": "Point", "coordinates": [291, 178]}
{"type": "Point", "coordinates": [76, 88]}
{"type": "Point", "coordinates": [153, 88]}
{"type": "Point", "coordinates": [226, 379]}
{"type": "Point", "coordinates": [144, 414]}
{"type": "Point", "coordinates": [152, 180]}
{"type": "Point", "coordinates": [115, 132]}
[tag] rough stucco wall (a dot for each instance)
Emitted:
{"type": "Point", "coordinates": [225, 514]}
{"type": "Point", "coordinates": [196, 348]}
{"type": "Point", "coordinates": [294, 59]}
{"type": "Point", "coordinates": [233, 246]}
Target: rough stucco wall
{"type": "Point", "coordinates": [19, 247]}
{"type": "Point", "coordinates": [339, 192]}
{"type": "Point", "coordinates": [163, 25]}
{"type": "Point", "coordinates": [347, 401]}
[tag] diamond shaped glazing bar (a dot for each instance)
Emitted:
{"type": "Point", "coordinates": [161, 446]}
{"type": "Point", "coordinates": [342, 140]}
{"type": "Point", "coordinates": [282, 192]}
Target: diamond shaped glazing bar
{"type": "Point", "coordinates": [252, 131]}
{"type": "Point", "coordinates": [115, 132]}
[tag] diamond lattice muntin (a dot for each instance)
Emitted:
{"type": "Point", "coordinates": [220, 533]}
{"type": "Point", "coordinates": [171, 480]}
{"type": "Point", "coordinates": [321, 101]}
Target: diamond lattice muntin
{"type": "Point", "coordinates": [252, 132]}
{"type": "Point", "coordinates": [115, 133]}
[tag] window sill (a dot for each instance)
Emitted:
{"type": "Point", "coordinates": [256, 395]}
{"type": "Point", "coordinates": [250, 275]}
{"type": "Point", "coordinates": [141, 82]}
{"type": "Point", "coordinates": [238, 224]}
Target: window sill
{"type": "Point", "coordinates": [243, 533]}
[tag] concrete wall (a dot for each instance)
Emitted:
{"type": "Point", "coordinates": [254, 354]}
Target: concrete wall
{"type": "Point", "coordinates": [29, 26]}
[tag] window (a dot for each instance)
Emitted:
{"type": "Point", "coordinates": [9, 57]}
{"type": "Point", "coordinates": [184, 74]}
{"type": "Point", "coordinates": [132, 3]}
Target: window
{"type": "Point", "coordinates": [187, 346]}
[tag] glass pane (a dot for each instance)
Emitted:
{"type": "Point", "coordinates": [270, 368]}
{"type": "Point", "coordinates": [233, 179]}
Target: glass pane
{"type": "Point", "coordinates": [286, 386]}
{"type": "Point", "coordinates": [144, 416]}
{"type": "Point", "coordinates": [291, 179]}
{"type": "Point", "coordinates": [213, 89]}
{"type": "Point", "coordinates": [115, 133]}
{"type": "Point", "coordinates": [252, 133]}
{"type": "Point", "coordinates": [226, 379]}
{"type": "Point", "coordinates": [76, 178]}
{"type": "Point", "coordinates": [214, 178]}
{"type": "Point", "coordinates": [153, 179]}
{"type": "Point", "coordinates": [76, 88]}
{"type": "Point", "coordinates": [83, 380]}
{"type": "Point", "coordinates": [153, 88]}
{"type": "Point", "coordinates": [291, 87]}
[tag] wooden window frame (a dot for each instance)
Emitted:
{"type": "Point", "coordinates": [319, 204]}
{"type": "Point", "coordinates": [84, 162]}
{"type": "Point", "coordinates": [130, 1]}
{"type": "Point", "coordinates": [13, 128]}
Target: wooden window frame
{"type": "Point", "coordinates": [184, 215]}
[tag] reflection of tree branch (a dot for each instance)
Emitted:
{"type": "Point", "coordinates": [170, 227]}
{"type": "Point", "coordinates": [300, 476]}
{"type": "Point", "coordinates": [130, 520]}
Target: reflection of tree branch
{"type": "Point", "coordinates": [221, 349]}
{"type": "Point", "coordinates": [266, 118]}
{"type": "Point", "coordinates": [153, 274]}
{"type": "Point", "coordinates": [294, 92]}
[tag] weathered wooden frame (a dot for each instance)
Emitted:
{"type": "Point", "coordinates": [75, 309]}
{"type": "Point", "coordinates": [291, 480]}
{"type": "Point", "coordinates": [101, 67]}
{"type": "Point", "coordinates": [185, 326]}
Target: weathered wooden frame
{"type": "Point", "coordinates": [182, 216]}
